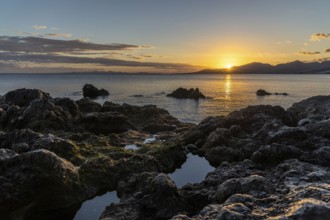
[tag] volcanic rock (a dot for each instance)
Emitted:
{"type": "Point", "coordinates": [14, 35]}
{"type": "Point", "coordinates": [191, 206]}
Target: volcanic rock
{"type": "Point", "coordinates": [182, 93]}
{"type": "Point", "coordinates": [92, 92]}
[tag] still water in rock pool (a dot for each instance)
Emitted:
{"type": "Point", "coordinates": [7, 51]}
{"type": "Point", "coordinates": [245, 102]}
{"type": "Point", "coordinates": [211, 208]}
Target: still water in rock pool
{"type": "Point", "coordinates": [131, 147]}
{"type": "Point", "coordinates": [193, 170]}
{"type": "Point", "coordinates": [92, 209]}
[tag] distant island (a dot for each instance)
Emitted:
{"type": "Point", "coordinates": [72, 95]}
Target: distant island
{"type": "Point", "coordinates": [296, 67]}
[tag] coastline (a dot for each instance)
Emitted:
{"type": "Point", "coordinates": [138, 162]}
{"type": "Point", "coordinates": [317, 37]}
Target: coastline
{"type": "Point", "coordinates": [56, 153]}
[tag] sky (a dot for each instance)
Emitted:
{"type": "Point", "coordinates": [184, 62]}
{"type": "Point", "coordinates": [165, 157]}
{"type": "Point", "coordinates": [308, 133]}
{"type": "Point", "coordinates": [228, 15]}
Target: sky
{"type": "Point", "coordinates": [159, 36]}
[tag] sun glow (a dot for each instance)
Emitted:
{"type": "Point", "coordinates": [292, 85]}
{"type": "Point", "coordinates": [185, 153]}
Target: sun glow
{"type": "Point", "coordinates": [228, 66]}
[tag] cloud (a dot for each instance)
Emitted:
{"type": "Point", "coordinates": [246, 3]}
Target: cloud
{"type": "Point", "coordinates": [309, 53]}
{"type": "Point", "coordinates": [319, 36]}
{"type": "Point", "coordinates": [39, 27]}
{"type": "Point", "coordinates": [44, 45]}
{"type": "Point", "coordinates": [45, 58]}
{"type": "Point", "coordinates": [36, 51]}
{"type": "Point", "coordinates": [327, 50]}
{"type": "Point", "coordinates": [58, 35]}
{"type": "Point", "coordinates": [321, 60]}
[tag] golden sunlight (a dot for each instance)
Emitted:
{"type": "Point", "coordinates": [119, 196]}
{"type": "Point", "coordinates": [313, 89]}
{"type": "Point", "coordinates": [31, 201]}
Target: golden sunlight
{"type": "Point", "coordinates": [228, 66]}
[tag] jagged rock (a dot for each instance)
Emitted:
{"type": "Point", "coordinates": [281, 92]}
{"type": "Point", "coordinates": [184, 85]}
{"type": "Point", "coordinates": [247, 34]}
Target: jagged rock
{"type": "Point", "coordinates": [6, 154]}
{"type": "Point", "coordinates": [92, 92]}
{"type": "Point", "coordinates": [236, 211]}
{"type": "Point", "coordinates": [25, 140]}
{"type": "Point", "coordinates": [63, 148]}
{"type": "Point", "coordinates": [40, 115]}
{"type": "Point", "coordinates": [307, 209]}
{"type": "Point", "coordinates": [86, 105]}
{"type": "Point", "coordinates": [145, 118]}
{"type": "Point", "coordinates": [275, 153]}
{"type": "Point", "coordinates": [23, 97]}
{"type": "Point", "coordinates": [163, 199]}
{"type": "Point", "coordinates": [220, 154]}
{"type": "Point", "coordinates": [69, 106]}
{"type": "Point", "coordinates": [317, 105]}
{"type": "Point", "coordinates": [106, 123]}
{"type": "Point", "coordinates": [242, 185]}
{"type": "Point", "coordinates": [22, 136]}
{"type": "Point", "coordinates": [182, 93]}
{"type": "Point", "coordinates": [21, 147]}
{"type": "Point", "coordinates": [321, 156]}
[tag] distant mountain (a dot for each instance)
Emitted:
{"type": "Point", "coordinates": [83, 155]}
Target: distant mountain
{"type": "Point", "coordinates": [296, 67]}
{"type": "Point", "coordinates": [253, 68]}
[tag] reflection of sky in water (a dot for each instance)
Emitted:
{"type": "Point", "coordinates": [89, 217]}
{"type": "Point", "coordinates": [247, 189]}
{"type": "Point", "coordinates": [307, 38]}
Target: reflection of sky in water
{"type": "Point", "coordinates": [193, 170]}
{"type": "Point", "coordinates": [131, 147]}
{"type": "Point", "coordinates": [229, 92]}
{"type": "Point", "coordinates": [92, 209]}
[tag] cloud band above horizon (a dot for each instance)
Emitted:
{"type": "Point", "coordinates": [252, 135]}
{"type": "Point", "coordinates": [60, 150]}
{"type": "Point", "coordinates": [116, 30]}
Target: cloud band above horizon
{"type": "Point", "coordinates": [15, 51]}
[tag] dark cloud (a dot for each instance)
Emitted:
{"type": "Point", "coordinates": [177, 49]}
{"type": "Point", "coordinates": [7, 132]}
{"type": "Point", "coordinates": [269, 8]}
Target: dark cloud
{"type": "Point", "coordinates": [45, 58]}
{"type": "Point", "coordinates": [309, 53]}
{"type": "Point", "coordinates": [321, 60]}
{"type": "Point", "coordinates": [19, 51]}
{"type": "Point", "coordinates": [319, 36]}
{"type": "Point", "coordinates": [44, 45]}
{"type": "Point", "coordinates": [327, 50]}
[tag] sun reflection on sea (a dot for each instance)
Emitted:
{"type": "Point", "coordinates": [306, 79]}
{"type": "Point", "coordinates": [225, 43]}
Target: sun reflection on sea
{"type": "Point", "coordinates": [228, 86]}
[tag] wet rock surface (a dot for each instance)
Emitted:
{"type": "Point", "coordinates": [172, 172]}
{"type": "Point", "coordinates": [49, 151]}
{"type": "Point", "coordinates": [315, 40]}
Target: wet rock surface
{"type": "Point", "coordinates": [270, 163]}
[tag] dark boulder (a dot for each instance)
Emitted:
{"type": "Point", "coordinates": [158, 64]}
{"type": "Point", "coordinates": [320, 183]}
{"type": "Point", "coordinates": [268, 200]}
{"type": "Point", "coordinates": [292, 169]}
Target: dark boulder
{"type": "Point", "coordinates": [163, 200]}
{"type": "Point", "coordinates": [37, 181]}
{"type": "Point", "coordinates": [262, 92]}
{"type": "Point", "coordinates": [317, 105]}
{"type": "Point", "coordinates": [19, 140]}
{"type": "Point", "coordinates": [236, 211]}
{"type": "Point", "coordinates": [182, 93]}
{"type": "Point", "coordinates": [92, 92]}
{"type": "Point", "coordinates": [275, 153]}
{"type": "Point", "coordinates": [23, 97]}
{"type": "Point", "coordinates": [69, 106]}
{"type": "Point", "coordinates": [86, 105]}
{"type": "Point", "coordinates": [219, 154]}
{"type": "Point", "coordinates": [248, 184]}
{"type": "Point", "coordinates": [40, 115]}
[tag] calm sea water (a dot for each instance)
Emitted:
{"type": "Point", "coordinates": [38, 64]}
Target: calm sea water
{"type": "Point", "coordinates": [227, 92]}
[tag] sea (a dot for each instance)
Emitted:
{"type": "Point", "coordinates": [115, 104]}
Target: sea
{"type": "Point", "coordinates": [225, 93]}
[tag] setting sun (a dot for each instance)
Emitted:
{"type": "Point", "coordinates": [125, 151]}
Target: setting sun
{"type": "Point", "coordinates": [228, 66]}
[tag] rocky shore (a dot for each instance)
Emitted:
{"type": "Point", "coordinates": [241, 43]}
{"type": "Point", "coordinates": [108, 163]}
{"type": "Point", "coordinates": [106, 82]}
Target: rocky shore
{"type": "Point", "coordinates": [55, 153]}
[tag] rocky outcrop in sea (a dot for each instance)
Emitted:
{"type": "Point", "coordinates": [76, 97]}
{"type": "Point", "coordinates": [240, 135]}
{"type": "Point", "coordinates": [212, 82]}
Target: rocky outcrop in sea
{"type": "Point", "coordinates": [55, 153]}
{"type": "Point", "coordinates": [182, 93]}
{"type": "Point", "coordinates": [92, 92]}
